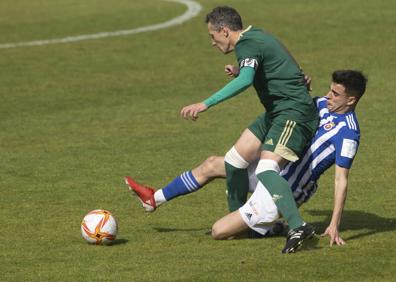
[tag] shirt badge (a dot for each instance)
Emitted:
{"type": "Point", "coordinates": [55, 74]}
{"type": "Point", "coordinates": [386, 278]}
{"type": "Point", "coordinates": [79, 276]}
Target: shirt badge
{"type": "Point", "coordinates": [329, 126]}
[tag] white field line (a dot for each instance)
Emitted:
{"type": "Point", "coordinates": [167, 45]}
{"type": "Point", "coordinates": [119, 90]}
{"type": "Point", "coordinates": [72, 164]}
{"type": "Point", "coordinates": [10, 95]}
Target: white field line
{"type": "Point", "coordinates": [193, 9]}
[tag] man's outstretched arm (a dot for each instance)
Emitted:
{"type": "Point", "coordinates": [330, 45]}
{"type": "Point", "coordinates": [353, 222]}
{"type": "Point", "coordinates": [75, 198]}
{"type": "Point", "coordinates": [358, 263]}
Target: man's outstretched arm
{"type": "Point", "coordinates": [340, 193]}
{"type": "Point", "coordinates": [234, 87]}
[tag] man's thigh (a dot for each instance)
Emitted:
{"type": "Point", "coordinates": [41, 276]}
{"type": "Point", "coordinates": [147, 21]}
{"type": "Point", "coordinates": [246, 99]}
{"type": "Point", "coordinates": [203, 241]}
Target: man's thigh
{"type": "Point", "coordinates": [248, 146]}
{"type": "Point", "coordinates": [250, 142]}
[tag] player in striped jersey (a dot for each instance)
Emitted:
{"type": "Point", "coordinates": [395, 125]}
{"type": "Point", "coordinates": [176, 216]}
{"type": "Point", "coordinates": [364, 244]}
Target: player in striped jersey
{"type": "Point", "coordinates": [335, 142]}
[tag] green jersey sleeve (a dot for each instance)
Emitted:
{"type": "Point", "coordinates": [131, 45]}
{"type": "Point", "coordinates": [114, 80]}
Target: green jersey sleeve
{"type": "Point", "coordinates": [234, 87]}
{"type": "Point", "coordinates": [248, 55]}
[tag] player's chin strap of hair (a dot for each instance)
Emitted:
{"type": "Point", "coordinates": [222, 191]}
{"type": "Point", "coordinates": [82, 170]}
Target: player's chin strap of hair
{"type": "Point", "coordinates": [264, 165]}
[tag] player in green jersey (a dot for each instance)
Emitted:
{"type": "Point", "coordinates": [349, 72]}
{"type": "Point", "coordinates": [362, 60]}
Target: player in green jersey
{"type": "Point", "coordinates": [277, 136]}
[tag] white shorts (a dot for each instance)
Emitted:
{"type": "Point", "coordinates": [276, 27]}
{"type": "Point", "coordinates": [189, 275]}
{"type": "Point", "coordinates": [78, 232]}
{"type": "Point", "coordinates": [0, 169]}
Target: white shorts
{"type": "Point", "coordinates": [260, 211]}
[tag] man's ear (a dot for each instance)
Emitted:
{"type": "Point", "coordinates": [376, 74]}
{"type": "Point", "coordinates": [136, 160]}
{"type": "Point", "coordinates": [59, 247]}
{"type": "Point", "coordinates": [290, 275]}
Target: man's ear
{"type": "Point", "coordinates": [351, 100]}
{"type": "Point", "coordinates": [226, 31]}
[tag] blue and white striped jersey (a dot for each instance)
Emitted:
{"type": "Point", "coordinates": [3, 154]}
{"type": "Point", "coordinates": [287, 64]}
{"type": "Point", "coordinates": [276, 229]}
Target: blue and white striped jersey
{"type": "Point", "coordinates": [335, 141]}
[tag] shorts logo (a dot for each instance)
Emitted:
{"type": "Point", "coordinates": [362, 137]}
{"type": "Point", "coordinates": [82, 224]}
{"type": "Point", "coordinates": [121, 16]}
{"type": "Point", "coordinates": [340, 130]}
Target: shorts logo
{"type": "Point", "coordinates": [269, 142]}
{"type": "Point", "coordinates": [329, 126]}
{"type": "Point", "coordinates": [248, 215]}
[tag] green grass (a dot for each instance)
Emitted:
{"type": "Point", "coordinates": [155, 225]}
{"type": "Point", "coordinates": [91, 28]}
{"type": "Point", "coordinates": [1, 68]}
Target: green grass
{"type": "Point", "coordinates": [75, 118]}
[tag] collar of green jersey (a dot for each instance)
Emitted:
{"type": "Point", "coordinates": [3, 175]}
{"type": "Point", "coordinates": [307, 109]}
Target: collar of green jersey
{"type": "Point", "coordinates": [244, 31]}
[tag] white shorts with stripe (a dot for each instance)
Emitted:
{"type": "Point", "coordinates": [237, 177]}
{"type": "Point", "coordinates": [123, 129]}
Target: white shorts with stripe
{"type": "Point", "coordinates": [260, 211]}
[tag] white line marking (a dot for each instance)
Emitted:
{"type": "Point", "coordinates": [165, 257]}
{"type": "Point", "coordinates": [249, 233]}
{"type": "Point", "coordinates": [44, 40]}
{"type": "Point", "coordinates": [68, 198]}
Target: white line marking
{"type": "Point", "coordinates": [193, 9]}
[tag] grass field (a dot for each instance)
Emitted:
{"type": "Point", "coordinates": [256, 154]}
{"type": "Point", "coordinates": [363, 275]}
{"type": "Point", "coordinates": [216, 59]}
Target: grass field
{"type": "Point", "coordinates": [75, 118]}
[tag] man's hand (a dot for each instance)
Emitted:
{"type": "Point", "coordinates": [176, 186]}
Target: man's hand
{"type": "Point", "coordinates": [308, 81]}
{"type": "Point", "coordinates": [192, 111]}
{"type": "Point", "coordinates": [334, 236]}
{"type": "Point", "coordinates": [231, 70]}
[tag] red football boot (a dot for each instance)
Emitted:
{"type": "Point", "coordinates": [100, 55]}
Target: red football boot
{"type": "Point", "coordinates": [144, 194]}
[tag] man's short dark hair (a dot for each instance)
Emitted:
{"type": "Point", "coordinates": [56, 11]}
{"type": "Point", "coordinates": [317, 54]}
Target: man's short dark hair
{"type": "Point", "coordinates": [353, 81]}
{"type": "Point", "coordinates": [224, 16]}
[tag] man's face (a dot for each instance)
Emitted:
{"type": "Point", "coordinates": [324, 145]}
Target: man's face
{"type": "Point", "coordinates": [220, 38]}
{"type": "Point", "coordinates": [338, 100]}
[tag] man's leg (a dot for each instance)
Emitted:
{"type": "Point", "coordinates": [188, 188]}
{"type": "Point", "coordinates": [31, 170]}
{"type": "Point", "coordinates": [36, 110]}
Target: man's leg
{"type": "Point", "coordinates": [267, 172]}
{"type": "Point", "coordinates": [228, 226]}
{"type": "Point", "coordinates": [192, 181]}
{"type": "Point", "coordinates": [187, 182]}
{"type": "Point", "coordinates": [258, 213]}
{"type": "Point", "coordinates": [245, 150]}
{"type": "Point", "coordinates": [211, 168]}
{"type": "Point", "coordinates": [285, 141]}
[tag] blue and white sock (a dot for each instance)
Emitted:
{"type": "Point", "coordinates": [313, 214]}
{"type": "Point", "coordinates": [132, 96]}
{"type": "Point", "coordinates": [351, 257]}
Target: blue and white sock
{"type": "Point", "coordinates": [181, 185]}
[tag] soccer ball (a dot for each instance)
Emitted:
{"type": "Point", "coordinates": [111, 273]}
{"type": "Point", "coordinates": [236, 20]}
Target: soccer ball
{"type": "Point", "coordinates": [99, 227]}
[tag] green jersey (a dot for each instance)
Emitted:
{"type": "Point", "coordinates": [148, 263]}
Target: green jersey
{"type": "Point", "coordinates": [278, 80]}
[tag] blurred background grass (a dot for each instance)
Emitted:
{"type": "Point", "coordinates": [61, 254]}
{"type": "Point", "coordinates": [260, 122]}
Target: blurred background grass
{"type": "Point", "coordinates": [75, 118]}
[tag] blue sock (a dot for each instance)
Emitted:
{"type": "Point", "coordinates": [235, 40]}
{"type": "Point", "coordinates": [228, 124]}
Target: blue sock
{"type": "Point", "coordinates": [181, 185]}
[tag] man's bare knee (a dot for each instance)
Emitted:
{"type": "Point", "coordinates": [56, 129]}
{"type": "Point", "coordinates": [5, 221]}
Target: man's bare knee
{"type": "Point", "coordinates": [219, 233]}
{"type": "Point", "coordinates": [228, 226]}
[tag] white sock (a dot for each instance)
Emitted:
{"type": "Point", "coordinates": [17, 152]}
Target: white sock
{"type": "Point", "coordinates": [159, 197]}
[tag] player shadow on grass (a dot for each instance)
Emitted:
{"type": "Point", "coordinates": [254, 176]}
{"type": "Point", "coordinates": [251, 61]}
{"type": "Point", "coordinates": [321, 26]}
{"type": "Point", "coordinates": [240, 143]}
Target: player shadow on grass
{"type": "Point", "coordinates": [119, 242]}
{"type": "Point", "coordinates": [309, 245]}
{"type": "Point", "coordinates": [362, 223]}
{"type": "Point", "coordinates": [163, 229]}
